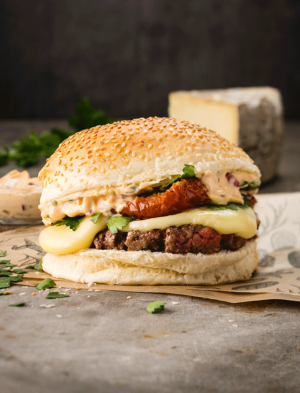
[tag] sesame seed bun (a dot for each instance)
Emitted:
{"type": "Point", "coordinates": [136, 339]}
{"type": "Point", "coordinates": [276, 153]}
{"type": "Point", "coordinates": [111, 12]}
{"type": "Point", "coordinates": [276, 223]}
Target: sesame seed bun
{"type": "Point", "coordinates": [128, 153]}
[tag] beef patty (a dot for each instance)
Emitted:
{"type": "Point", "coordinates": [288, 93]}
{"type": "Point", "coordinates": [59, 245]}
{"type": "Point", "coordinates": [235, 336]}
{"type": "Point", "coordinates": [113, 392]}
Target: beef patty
{"type": "Point", "coordinates": [176, 240]}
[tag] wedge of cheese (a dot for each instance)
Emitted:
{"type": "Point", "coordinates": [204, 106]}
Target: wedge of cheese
{"type": "Point", "coordinates": [252, 118]}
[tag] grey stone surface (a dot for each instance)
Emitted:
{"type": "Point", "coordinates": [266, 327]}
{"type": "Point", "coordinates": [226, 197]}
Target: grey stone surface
{"type": "Point", "coordinates": [101, 341]}
{"type": "Point", "coordinates": [105, 342]}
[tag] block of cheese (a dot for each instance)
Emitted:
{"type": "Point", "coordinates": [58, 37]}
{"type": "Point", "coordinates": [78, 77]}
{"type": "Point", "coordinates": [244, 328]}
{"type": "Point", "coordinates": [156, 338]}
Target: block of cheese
{"type": "Point", "coordinates": [251, 117]}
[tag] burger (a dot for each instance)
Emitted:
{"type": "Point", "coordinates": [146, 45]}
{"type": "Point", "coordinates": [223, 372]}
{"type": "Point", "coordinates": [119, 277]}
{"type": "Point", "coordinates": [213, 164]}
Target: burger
{"type": "Point", "coordinates": [147, 202]}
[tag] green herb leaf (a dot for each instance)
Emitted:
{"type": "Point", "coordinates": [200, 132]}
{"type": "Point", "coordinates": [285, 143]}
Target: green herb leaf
{"type": "Point", "coordinates": [249, 186]}
{"type": "Point", "coordinates": [5, 273]}
{"type": "Point", "coordinates": [71, 222]}
{"type": "Point", "coordinates": [10, 265]}
{"type": "Point", "coordinates": [39, 266]}
{"type": "Point", "coordinates": [4, 262]}
{"type": "Point", "coordinates": [46, 284]}
{"type": "Point", "coordinates": [4, 283]}
{"type": "Point", "coordinates": [4, 155]}
{"type": "Point", "coordinates": [155, 307]}
{"type": "Point", "coordinates": [30, 266]}
{"type": "Point", "coordinates": [53, 203]}
{"type": "Point", "coordinates": [14, 278]}
{"type": "Point", "coordinates": [95, 217]}
{"type": "Point", "coordinates": [116, 223]}
{"type": "Point", "coordinates": [17, 305]}
{"type": "Point", "coordinates": [3, 254]}
{"type": "Point", "coordinates": [86, 117]}
{"type": "Point", "coordinates": [55, 295]}
{"type": "Point", "coordinates": [3, 293]}
{"type": "Point", "coordinates": [188, 173]}
{"type": "Point", "coordinates": [231, 206]}
{"type": "Point", "coordinates": [19, 271]}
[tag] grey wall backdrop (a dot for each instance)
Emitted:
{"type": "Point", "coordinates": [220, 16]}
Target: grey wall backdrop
{"type": "Point", "coordinates": [127, 55]}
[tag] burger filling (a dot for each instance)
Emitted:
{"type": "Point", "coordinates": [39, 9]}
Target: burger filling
{"type": "Point", "coordinates": [179, 217]}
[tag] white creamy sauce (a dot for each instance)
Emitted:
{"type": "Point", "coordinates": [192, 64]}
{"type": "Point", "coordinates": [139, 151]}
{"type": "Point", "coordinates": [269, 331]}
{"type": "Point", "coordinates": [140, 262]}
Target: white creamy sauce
{"type": "Point", "coordinates": [19, 197]}
{"type": "Point", "coordinates": [221, 190]}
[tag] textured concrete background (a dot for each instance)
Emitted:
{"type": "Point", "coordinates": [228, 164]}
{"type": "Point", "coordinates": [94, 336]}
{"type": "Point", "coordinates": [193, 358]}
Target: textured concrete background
{"type": "Point", "coordinates": [128, 55]}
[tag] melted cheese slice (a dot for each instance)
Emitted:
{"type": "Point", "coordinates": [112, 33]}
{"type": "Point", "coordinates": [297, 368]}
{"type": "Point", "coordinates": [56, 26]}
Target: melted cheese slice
{"type": "Point", "coordinates": [241, 222]}
{"type": "Point", "coordinates": [62, 240]}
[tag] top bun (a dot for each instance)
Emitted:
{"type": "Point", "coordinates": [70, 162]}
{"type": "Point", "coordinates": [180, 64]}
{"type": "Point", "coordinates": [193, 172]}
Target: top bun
{"type": "Point", "coordinates": [129, 153]}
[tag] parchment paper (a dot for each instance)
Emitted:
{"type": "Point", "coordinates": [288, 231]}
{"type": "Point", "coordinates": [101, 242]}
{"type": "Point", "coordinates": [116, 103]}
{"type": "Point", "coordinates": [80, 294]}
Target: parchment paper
{"type": "Point", "coordinates": [277, 275]}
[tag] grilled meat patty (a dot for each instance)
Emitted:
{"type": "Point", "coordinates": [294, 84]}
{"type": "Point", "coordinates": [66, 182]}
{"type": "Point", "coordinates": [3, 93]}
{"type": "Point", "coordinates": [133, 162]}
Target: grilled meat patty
{"type": "Point", "coordinates": [176, 240]}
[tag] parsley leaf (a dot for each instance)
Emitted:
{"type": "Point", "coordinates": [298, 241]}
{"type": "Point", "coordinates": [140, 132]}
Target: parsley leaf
{"type": "Point", "coordinates": [188, 173]}
{"type": "Point", "coordinates": [55, 295]}
{"type": "Point", "coordinates": [116, 223]}
{"type": "Point", "coordinates": [71, 222]}
{"type": "Point", "coordinates": [3, 293]}
{"type": "Point", "coordinates": [46, 284]}
{"type": "Point", "coordinates": [4, 283]}
{"type": "Point", "coordinates": [4, 156]}
{"type": "Point", "coordinates": [231, 205]}
{"type": "Point", "coordinates": [3, 254]}
{"type": "Point", "coordinates": [95, 217]}
{"type": "Point", "coordinates": [19, 271]}
{"type": "Point", "coordinates": [249, 186]}
{"type": "Point", "coordinates": [5, 273]}
{"type": "Point", "coordinates": [39, 266]}
{"type": "Point", "coordinates": [155, 307]}
{"type": "Point", "coordinates": [17, 305]}
{"type": "Point", "coordinates": [86, 117]}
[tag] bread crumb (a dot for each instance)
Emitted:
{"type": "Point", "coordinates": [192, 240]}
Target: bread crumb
{"type": "Point", "coordinates": [175, 302]}
{"type": "Point", "coordinates": [230, 320]}
{"type": "Point", "coordinates": [97, 290]}
{"type": "Point", "coordinates": [128, 297]}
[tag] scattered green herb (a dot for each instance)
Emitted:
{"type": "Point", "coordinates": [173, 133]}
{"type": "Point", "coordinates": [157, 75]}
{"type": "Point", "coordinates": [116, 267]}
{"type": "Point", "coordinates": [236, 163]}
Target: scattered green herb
{"type": "Point", "coordinates": [4, 283]}
{"type": "Point", "coordinates": [19, 271]}
{"type": "Point", "coordinates": [116, 223]}
{"type": "Point", "coordinates": [53, 203]}
{"type": "Point", "coordinates": [188, 173]}
{"type": "Point", "coordinates": [155, 307]}
{"type": "Point", "coordinates": [39, 266]}
{"type": "Point", "coordinates": [46, 284]}
{"type": "Point", "coordinates": [86, 117]}
{"type": "Point", "coordinates": [4, 262]}
{"type": "Point", "coordinates": [71, 222]}
{"type": "Point", "coordinates": [5, 273]}
{"type": "Point", "coordinates": [3, 293]}
{"type": "Point", "coordinates": [27, 151]}
{"type": "Point", "coordinates": [3, 254]}
{"type": "Point", "coordinates": [95, 217]}
{"type": "Point", "coordinates": [8, 264]}
{"type": "Point", "coordinates": [4, 155]}
{"type": "Point", "coordinates": [55, 295]}
{"type": "Point", "coordinates": [15, 278]}
{"type": "Point", "coordinates": [17, 305]}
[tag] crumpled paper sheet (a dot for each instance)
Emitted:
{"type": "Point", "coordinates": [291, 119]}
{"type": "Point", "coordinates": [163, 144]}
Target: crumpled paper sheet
{"type": "Point", "coordinates": [277, 275]}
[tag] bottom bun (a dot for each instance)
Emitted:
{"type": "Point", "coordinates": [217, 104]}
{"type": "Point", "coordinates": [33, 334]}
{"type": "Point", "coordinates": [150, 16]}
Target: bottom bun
{"type": "Point", "coordinates": [153, 268]}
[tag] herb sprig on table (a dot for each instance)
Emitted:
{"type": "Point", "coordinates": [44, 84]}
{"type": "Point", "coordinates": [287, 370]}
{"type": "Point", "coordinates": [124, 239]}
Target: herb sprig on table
{"type": "Point", "coordinates": [27, 150]}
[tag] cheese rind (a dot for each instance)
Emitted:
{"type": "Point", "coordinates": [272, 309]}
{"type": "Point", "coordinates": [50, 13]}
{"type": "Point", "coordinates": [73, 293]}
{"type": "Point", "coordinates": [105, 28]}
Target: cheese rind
{"type": "Point", "coordinates": [241, 222]}
{"type": "Point", "coordinates": [252, 118]}
{"type": "Point", "coordinates": [63, 240]}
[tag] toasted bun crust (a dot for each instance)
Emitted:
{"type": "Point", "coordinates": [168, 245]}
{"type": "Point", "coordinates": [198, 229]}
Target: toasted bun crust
{"type": "Point", "coordinates": [129, 153]}
{"type": "Point", "coordinates": [153, 268]}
